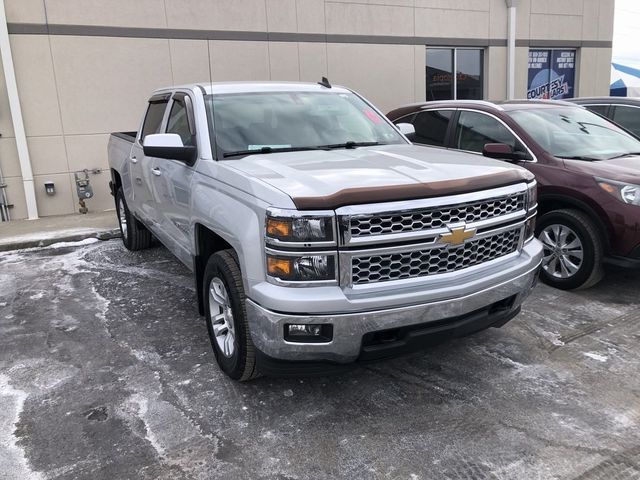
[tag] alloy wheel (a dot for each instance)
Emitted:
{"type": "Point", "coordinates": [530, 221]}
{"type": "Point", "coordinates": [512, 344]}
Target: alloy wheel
{"type": "Point", "coordinates": [122, 216]}
{"type": "Point", "coordinates": [221, 317]}
{"type": "Point", "coordinates": [563, 251]}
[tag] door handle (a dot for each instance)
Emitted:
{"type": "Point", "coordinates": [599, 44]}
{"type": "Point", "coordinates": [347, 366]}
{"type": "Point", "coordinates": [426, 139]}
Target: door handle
{"type": "Point", "coordinates": [156, 171]}
{"type": "Point", "coordinates": [133, 160]}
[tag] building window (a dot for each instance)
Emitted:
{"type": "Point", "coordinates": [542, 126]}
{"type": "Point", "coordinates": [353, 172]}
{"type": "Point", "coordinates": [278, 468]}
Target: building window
{"type": "Point", "coordinates": [552, 73]}
{"type": "Point", "coordinates": [467, 83]}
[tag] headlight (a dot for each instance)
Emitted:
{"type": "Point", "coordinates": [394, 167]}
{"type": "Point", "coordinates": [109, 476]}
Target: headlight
{"type": "Point", "coordinates": [532, 195]}
{"type": "Point", "coordinates": [626, 192]}
{"type": "Point", "coordinates": [298, 227]}
{"type": "Point", "coordinates": [302, 268]}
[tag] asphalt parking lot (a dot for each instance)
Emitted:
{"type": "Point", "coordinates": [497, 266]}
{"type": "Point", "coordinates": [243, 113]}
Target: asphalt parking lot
{"type": "Point", "coordinates": [106, 372]}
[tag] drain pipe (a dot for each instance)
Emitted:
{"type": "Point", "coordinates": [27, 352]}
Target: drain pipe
{"type": "Point", "coordinates": [4, 204]}
{"type": "Point", "coordinates": [511, 48]}
{"type": "Point", "coordinates": [16, 116]}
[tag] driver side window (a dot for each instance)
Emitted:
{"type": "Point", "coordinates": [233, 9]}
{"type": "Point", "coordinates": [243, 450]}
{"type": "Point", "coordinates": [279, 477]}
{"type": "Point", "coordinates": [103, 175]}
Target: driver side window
{"type": "Point", "coordinates": [475, 130]}
{"type": "Point", "coordinates": [178, 123]}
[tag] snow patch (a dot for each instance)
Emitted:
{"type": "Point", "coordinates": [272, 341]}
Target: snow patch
{"type": "Point", "coordinates": [167, 429]}
{"type": "Point", "coordinates": [596, 356]}
{"type": "Point", "coordinates": [14, 463]}
{"type": "Point", "coordinates": [625, 421]}
{"type": "Point", "coordinates": [42, 236]}
{"type": "Point", "coordinates": [79, 243]}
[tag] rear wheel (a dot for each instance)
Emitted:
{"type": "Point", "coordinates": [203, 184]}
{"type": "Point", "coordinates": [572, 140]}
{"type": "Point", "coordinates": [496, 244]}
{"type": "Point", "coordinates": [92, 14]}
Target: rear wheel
{"type": "Point", "coordinates": [226, 317]}
{"type": "Point", "coordinates": [135, 236]}
{"type": "Point", "coordinates": [572, 250]}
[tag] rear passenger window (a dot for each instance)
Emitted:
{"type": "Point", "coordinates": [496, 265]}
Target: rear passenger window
{"type": "Point", "coordinates": [178, 123]}
{"type": "Point", "coordinates": [475, 130]}
{"type": "Point", "coordinates": [627, 117]}
{"type": "Point", "coordinates": [600, 109]}
{"type": "Point", "coordinates": [431, 127]}
{"type": "Point", "coordinates": [153, 119]}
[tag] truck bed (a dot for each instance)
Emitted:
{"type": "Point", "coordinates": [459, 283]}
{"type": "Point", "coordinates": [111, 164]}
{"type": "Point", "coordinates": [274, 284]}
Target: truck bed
{"type": "Point", "coordinates": [127, 136]}
{"type": "Point", "coordinates": [119, 150]}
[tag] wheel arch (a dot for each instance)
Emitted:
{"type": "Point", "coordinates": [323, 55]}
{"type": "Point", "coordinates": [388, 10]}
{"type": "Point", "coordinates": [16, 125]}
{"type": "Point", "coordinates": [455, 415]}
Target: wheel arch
{"type": "Point", "coordinates": [207, 242]}
{"type": "Point", "coordinates": [553, 201]}
{"type": "Point", "coordinates": [116, 182]}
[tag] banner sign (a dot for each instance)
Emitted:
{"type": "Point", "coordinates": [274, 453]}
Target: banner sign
{"type": "Point", "coordinates": [551, 74]}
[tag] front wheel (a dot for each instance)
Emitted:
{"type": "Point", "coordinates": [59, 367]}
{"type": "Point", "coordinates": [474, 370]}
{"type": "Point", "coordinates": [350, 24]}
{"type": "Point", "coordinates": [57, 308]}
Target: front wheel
{"type": "Point", "coordinates": [572, 250]}
{"type": "Point", "coordinates": [226, 317]}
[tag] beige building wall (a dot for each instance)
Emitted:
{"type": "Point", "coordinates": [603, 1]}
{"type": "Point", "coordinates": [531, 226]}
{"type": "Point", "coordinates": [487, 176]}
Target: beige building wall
{"type": "Point", "coordinates": [85, 68]}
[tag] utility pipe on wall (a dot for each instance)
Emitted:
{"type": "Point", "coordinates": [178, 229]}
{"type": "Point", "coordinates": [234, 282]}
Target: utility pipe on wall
{"type": "Point", "coordinates": [511, 48]}
{"type": "Point", "coordinates": [16, 116]}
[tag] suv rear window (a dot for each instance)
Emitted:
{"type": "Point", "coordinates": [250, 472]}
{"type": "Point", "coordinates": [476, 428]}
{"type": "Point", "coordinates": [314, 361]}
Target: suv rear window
{"type": "Point", "coordinates": [431, 127]}
{"type": "Point", "coordinates": [600, 109]}
{"type": "Point", "coordinates": [628, 117]}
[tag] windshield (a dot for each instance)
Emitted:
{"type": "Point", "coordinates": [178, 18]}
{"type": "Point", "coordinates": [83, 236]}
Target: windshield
{"type": "Point", "coordinates": [571, 132]}
{"type": "Point", "coordinates": [284, 121]}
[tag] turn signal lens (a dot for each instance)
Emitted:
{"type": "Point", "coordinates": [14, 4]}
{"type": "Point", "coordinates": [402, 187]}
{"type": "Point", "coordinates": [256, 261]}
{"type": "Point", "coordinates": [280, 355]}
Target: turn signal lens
{"type": "Point", "coordinates": [278, 228]}
{"type": "Point", "coordinates": [607, 187]}
{"type": "Point", "coordinates": [279, 267]}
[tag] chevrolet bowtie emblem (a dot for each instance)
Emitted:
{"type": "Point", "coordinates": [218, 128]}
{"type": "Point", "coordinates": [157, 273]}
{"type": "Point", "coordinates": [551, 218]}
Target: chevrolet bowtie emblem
{"type": "Point", "coordinates": [457, 236]}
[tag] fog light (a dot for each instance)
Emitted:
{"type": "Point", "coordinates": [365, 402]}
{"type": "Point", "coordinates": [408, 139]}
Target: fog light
{"type": "Point", "coordinates": [308, 333]}
{"type": "Point", "coordinates": [304, 330]}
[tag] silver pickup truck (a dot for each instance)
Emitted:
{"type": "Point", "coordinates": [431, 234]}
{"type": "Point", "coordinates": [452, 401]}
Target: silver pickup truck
{"type": "Point", "coordinates": [316, 233]}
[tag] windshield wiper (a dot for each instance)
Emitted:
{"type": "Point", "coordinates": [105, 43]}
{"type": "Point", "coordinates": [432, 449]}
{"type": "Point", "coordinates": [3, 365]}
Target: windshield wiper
{"type": "Point", "coordinates": [269, 150]}
{"type": "Point", "coordinates": [628, 154]}
{"type": "Point", "coordinates": [351, 145]}
{"type": "Point", "coordinates": [579, 157]}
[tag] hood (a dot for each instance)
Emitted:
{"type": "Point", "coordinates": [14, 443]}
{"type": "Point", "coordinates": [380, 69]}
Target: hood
{"type": "Point", "coordinates": [331, 179]}
{"type": "Point", "coordinates": [625, 169]}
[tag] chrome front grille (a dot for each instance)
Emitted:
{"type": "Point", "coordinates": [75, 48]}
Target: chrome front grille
{"type": "Point", "coordinates": [435, 260]}
{"type": "Point", "coordinates": [435, 217]}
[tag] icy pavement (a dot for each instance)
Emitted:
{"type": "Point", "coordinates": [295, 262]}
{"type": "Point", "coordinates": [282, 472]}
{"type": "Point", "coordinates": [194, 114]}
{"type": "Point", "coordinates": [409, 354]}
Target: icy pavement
{"type": "Point", "coordinates": [106, 372]}
{"type": "Point", "coordinates": [21, 234]}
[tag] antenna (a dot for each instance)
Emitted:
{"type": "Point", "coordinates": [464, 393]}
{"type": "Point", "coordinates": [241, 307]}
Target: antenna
{"type": "Point", "coordinates": [325, 83]}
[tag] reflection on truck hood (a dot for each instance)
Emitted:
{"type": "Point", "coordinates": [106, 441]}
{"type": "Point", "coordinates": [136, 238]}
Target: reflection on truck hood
{"type": "Point", "coordinates": [330, 179]}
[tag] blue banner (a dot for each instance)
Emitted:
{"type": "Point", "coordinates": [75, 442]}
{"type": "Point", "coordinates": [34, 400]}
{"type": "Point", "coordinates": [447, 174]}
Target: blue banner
{"type": "Point", "coordinates": [551, 74]}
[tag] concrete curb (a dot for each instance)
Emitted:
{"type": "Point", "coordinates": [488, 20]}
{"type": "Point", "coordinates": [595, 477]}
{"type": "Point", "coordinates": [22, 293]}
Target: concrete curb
{"type": "Point", "coordinates": [18, 243]}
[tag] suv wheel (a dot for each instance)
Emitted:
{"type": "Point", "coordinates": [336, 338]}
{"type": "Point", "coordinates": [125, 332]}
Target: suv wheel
{"type": "Point", "coordinates": [226, 317]}
{"type": "Point", "coordinates": [572, 250]}
{"type": "Point", "coordinates": [135, 236]}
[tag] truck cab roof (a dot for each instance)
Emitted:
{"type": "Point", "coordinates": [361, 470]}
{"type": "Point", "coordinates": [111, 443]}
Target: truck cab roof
{"type": "Point", "coordinates": [214, 88]}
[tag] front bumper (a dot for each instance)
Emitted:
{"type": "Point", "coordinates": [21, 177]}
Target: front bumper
{"type": "Point", "coordinates": [267, 326]}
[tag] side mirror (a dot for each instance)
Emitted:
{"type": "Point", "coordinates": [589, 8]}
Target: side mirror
{"type": "Point", "coordinates": [502, 151]}
{"type": "Point", "coordinates": [406, 129]}
{"type": "Point", "coordinates": [169, 146]}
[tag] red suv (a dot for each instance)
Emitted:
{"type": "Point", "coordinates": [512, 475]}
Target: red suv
{"type": "Point", "coordinates": [588, 173]}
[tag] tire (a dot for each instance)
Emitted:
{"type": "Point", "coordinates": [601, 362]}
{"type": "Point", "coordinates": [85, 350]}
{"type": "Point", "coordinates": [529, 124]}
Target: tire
{"type": "Point", "coordinates": [566, 235]}
{"type": "Point", "coordinates": [222, 285]}
{"type": "Point", "coordinates": [135, 235]}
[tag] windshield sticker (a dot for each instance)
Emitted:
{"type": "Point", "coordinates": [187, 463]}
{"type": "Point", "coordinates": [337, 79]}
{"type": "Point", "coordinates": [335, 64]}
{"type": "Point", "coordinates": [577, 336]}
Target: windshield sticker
{"type": "Point", "coordinates": [371, 115]}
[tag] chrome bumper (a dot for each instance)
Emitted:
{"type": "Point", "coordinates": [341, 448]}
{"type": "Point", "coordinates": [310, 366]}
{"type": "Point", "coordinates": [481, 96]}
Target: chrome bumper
{"type": "Point", "coordinates": [267, 327]}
